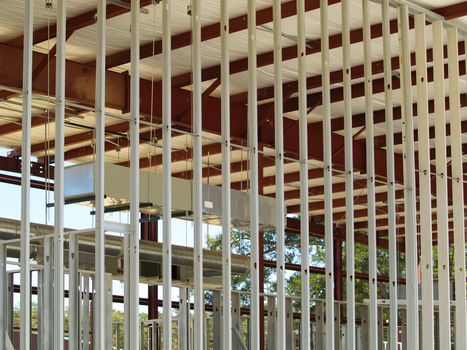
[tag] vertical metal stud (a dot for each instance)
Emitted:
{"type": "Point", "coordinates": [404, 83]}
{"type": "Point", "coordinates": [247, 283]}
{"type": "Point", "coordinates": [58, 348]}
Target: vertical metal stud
{"type": "Point", "coordinates": [226, 210]}
{"type": "Point", "coordinates": [327, 159]}
{"type": "Point", "coordinates": [59, 177]}
{"type": "Point", "coordinates": [272, 319]}
{"type": "Point", "coordinates": [280, 200]}
{"type": "Point", "coordinates": [393, 321]}
{"type": "Point", "coordinates": [3, 298]}
{"type": "Point", "coordinates": [73, 293]}
{"type": "Point", "coordinates": [304, 215]}
{"type": "Point", "coordinates": [25, 300]}
{"type": "Point", "coordinates": [253, 163]}
{"type": "Point", "coordinates": [132, 277]}
{"type": "Point", "coordinates": [47, 294]}
{"type": "Point", "coordinates": [425, 184]}
{"type": "Point", "coordinates": [99, 257]}
{"type": "Point", "coordinates": [167, 172]}
{"type": "Point", "coordinates": [197, 176]}
{"type": "Point", "coordinates": [457, 192]}
{"type": "Point", "coordinates": [409, 183]}
{"type": "Point", "coordinates": [85, 318]}
{"type": "Point", "coordinates": [370, 170]}
{"type": "Point", "coordinates": [349, 198]}
{"type": "Point", "coordinates": [441, 189]}
{"type": "Point", "coordinates": [183, 320]}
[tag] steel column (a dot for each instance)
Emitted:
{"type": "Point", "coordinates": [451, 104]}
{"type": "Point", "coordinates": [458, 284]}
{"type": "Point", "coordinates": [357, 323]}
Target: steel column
{"type": "Point", "coordinates": [197, 176]}
{"type": "Point", "coordinates": [167, 172]}
{"type": "Point", "coordinates": [25, 300]}
{"type": "Point", "coordinates": [132, 276]}
{"type": "Point", "coordinates": [441, 189]}
{"type": "Point", "coordinates": [391, 191]}
{"type": "Point", "coordinates": [254, 166]}
{"type": "Point", "coordinates": [409, 183]}
{"type": "Point", "coordinates": [370, 172]}
{"type": "Point", "coordinates": [304, 215]}
{"type": "Point", "coordinates": [327, 159]}
{"type": "Point", "coordinates": [280, 200]}
{"type": "Point", "coordinates": [424, 174]}
{"type": "Point", "coordinates": [99, 255]}
{"type": "Point", "coordinates": [226, 210]}
{"type": "Point", "coordinates": [457, 192]}
{"type": "Point", "coordinates": [349, 197]}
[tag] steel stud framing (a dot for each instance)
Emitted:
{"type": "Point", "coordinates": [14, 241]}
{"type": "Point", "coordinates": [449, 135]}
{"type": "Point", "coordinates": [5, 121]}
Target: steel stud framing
{"type": "Point", "coordinates": [304, 216]}
{"type": "Point", "coordinates": [409, 184]}
{"type": "Point", "coordinates": [25, 301]}
{"type": "Point", "coordinates": [425, 186]}
{"type": "Point", "coordinates": [226, 198]}
{"type": "Point", "coordinates": [253, 158]}
{"type": "Point", "coordinates": [197, 177]}
{"type": "Point", "coordinates": [167, 173]}
{"type": "Point", "coordinates": [327, 158]}
{"type": "Point", "coordinates": [349, 197]}
{"type": "Point", "coordinates": [280, 200]}
{"type": "Point", "coordinates": [441, 188]}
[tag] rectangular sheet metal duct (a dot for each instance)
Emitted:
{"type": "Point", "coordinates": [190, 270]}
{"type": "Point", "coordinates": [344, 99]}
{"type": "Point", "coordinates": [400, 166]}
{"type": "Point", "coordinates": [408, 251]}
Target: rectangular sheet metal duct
{"type": "Point", "coordinates": [79, 180]}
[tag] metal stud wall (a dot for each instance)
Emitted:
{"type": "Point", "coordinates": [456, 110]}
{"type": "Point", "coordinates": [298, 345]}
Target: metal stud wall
{"type": "Point", "coordinates": [386, 179]}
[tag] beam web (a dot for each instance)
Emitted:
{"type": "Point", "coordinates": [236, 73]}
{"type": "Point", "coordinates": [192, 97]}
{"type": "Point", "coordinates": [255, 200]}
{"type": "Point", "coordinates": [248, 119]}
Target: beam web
{"type": "Point", "coordinates": [280, 200]}
{"type": "Point", "coordinates": [304, 215]}
{"type": "Point", "coordinates": [393, 320]}
{"type": "Point", "coordinates": [167, 172]}
{"type": "Point", "coordinates": [254, 192]}
{"type": "Point", "coordinates": [457, 192]}
{"type": "Point", "coordinates": [133, 273]}
{"type": "Point", "coordinates": [327, 159]}
{"type": "Point", "coordinates": [197, 177]}
{"type": "Point", "coordinates": [424, 185]}
{"type": "Point", "coordinates": [409, 183]}
{"type": "Point", "coordinates": [349, 198]}
{"type": "Point", "coordinates": [99, 257]}
{"type": "Point", "coordinates": [226, 210]}
{"type": "Point", "coordinates": [25, 276]}
{"type": "Point", "coordinates": [441, 188]}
